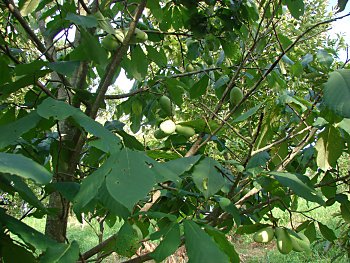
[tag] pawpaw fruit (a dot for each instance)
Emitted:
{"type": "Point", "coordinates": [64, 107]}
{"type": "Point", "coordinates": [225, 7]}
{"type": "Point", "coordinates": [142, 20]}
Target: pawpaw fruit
{"type": "Point", "coordinates": [165, 105]}
{"type": "Point", "coordinates": [189, 68]}
{"type": "Point", "coordinates": [300, 242]}
{"type": "Point", "coordinates": [159, 134]}
{"type": "Point", "coordinates": [138, 37]}
{"type": "Point", "coordinates": [284, 242]}
{"type": "Point", "coordinates": [264, 235]}
{"type": "Point", "coordinates": [168, 127]}
{"type": "Point", "coordinates": [110, 42]}
{"type": "Point", "coordinates": [236, 95]}
{"type": "Point", "coordinates": [185, 131]}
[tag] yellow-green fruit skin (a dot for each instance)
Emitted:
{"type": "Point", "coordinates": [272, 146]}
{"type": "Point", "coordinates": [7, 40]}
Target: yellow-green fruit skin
{"type": "Point", "coordinates": [185, 131]}
{"type": "Point", "coordinates": [159, 134]}
{"type": "Point", "coordinates": [168, 127]}
{"type": "Point", "coordinates": [110, 43]}
{"type": "Point", "coordinates": [236, 95]}
{"type": "Point", "coordinates": [189, 68]}
{"type": "Point", "coordinates": [264, 235]}
{"type": "Point", "coordinates": [284, 242]}
{"type": "Point", "coordinates": [300, 242]}
{"type": "Point", "coordinates": [165, 105]}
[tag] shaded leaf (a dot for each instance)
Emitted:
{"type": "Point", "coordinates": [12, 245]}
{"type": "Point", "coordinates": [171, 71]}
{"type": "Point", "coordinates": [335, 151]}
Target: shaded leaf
{"type": "Point", "coordinates": [24, 167]}
{"type": "Point", "coordinates": [299, 187]}
{"type": "Point", "coordinates": [200, 247]}
{"type": "Point", "coordinates": [296, 8]}
{"type": "Point", "coordinates": [61, 253]}
{"type": "Point", "coordinates": [337, 92]}
{"type": "Point", "coordinates": [248, 113]}
{"type": "Point", "coordinates": [207, 177]}
{"type": "Point", "coordinates": [199, 88]}
{"type": "Point", "coordinates": [326, 232]}
{"type": "Point", "coordinates": [84, 21]}
{"type": "Point", "coordinates": [66, 68]}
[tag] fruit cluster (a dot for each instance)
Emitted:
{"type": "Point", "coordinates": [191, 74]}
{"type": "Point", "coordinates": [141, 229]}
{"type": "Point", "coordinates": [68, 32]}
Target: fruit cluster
{"type": "Point", "coordinates": [287, 240]}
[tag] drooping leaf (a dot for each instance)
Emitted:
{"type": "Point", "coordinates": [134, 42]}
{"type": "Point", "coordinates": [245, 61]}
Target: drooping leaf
{"type": "Point", "coordinates": [29, 235]}
{"type": "Point", "coordinates": [207, 177]}
{"type": "Point", "coordinates": [200, 247]}
{"type": "Point", "coordinates": [127, 240]}
{"type": "Point", "coordinates": [29, 6]}
{"type": "Point", "coordinates": [24, 167]}
{"type": "Point", "coordinates": [139, 63]}
{"type": "Point", "coordinates": [329, 148]}
{"type": "Point", "coordinates": [11, 252]}
{"type": "Point", "coordinates": [224, 243]}
{"type": "Point", "coordinates": [337, 92]}
{"type": "Point", "coordinates": [298, 186]}
{"type": "Point", "coordinates": [199, 88]}
{"type": "Point", "coordinates": [156, 56]}
{"type": "Point", "coordinates": [169, 244]}
{"type": "Point", "coordinates": [84, 21]}
{"type": "Point", "coordinates": [345, 211]}
{"type": "Point", "coordinates": [61, 253]}
{"type": "Point", "coordinates": [66, 68]}
{"type": "Point", "coordinates": [248, 113]}
{"type": "Point", "coordinates": [228, 206]}
{"type": "Point", "coordinates": [341, 5]}
{"type": "Point", "coordinates": [14, 183]}
{"type": "Point", "coordinates": [296, 8]}
{"type": "Point", "coordinates": [326, 232]}
{"type": "Point", "coordinates": [131, 178]}
{"type": "Point", "coordinates": [10, 132]}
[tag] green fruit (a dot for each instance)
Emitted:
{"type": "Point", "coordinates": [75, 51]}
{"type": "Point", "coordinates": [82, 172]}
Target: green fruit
{"type": "Point", "coordinates": [120, 34]}
{"type": "Point", "coordinates": [165, 105]}
{"type": "Point", "coordinates": [284, 242]}
{"type": "Point", "coordinates": [168, 126]}
{"type": "Point", "coordinates": [236, 95]}
{"type": "Point", "coordinates": [185, 131]}
{"type": "Point", "coordinates": [159, 134]}
{"type": "Point", "coordinates": [300, 242]}
{"type": "Point", "coordinates": [189, 68]}
{"type": "Point", "coordinates": [110, 43]}
{"type": "Point", "coordinates": [140, 36]}
{"type": "Point", "coordinates": [264, 235]}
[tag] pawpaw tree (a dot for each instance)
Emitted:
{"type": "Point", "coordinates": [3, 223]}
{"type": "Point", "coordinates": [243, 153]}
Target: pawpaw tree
{"type": "Point", "coordinates": [237, 108]}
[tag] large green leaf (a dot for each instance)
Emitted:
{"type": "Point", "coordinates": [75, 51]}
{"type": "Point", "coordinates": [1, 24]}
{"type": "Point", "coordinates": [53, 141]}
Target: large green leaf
{"type": "Point", "coordinates": [92, 183]}
{"type": "Point", "coordinates": [329, 148]}
{"type": "Point", "coordinates": [61, 253]}
{"type": "Point", "coordinates": [298, 185]}
{"type": "Point", "coordinates": [66, 68]}
{"type": "Point", "coordinates": [156, 56]}
{"type": "Point", "coordinates": [207, 177]}
{"type": "Point", "coordinates": [326, 232]}
{"type": "Point", "coordinates": [128, 240]}
{"type": "Point", "coordinates": [199, 88]}
{"type": "Point", "coordinates": [248, 113]}
{"type": "Point", "coordinates": [169, 244]}
{"type": "Point", "coordinates": [12, 183]}
{"type": "Point", "coordinates": [84, 21]}
{"type": "Point", "coordinates": [200, 247]}
{"type": "Point", "coordinates": [131, 178]}
{"type": "Point", "coordinates": [24, 167]}
{"type": "Point", "coordinates": [296, 8]}
{"type": "Point", "coordinates": [29, 6]}
{"type": "Point", "coordinates": [12, 131]}
{"type": "Point", "coordinates": [337, 92]}
{"type": "Point", "coordinates": [224, 243]}
{"type": "Point", "coordinates": [29, 235]}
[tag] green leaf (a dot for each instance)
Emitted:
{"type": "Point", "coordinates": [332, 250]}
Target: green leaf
{"type": "Point", "coordinates": [156, 56]}
{"type": "Point", "coordinates": [345, 211]}
{"type": "Point", "coordinates": [296, 8]}
{"type": "Point", "coordinates": [298, 186]}
{"type": "Point", "coordinates": [230, 208]}
{"type": "Point", "coordinates": [341, 5]}
{"type": "Point", "coordinates": [329, 148]}
{"type": "Point", "coordinates": [12, 252]}
{"type": "Point", "coordinates": [200, 87]}
{"type": "Point", "coordinates": [337, 92]}
{"type": "Point", "coordinates": [326, 232]}
{"type": "Point", "coordinates": [29, 6]}
{"type": "Point", "coordinates": [14, 183]}
{"type": "Point", "coordinates": [29, 68]}
{"type": "Point", "coordinates": [171, 241]}
{"type": "Point", "coordinates": [310, 232]}
{"type": "Point", "coordinates": [67, 189]}
{"type": "Point", "coordinates": [200, 247]}
{"type": "Point", "coordinates": [24, 167]}
{"type": "Point", "coordinates": [207, 177]}
{"type": "Point", "coordinates": [29, 235]}
{"type": "Point", "coordinates": [139, 63]}
{"type": "Point", "coordinates": [224, 243]}
{"type": "Point", "coordinates": [91, 184]}
{"type": "Point", "coordinates": [59, 110]}
{"type": "Point", "coordinates": [248, 113]}
{"type": "Point", "coordinates": [131, 178]}
{"type": "Point", "coordinates": [66, 68]}
{"type": "Point", "coordinates": [285, 41]}
{"type": "Point", "coordinates": [11, 132]}
{"type": "Point", "coordinates": [61, 253]}
{"type": "Point", "coordinates": [84, 21]}
{"type": "Point", "coordinates": [127, 240]}
{"type": "Point", "coordinates": [324, 58]}
{"type": "Point", "coordinates": [176, 90]}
